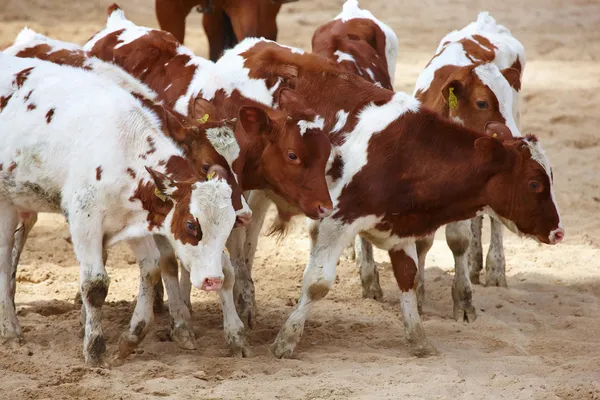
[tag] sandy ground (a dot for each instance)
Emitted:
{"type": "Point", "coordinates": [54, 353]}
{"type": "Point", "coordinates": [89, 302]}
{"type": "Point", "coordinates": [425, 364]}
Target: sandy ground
{"type": "Point", "coordinates": [539, 339]}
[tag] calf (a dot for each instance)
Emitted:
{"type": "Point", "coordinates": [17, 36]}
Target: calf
{"type": "Point", "coordinates": [189, 135]}
{"type": "Point", "coordinates": [402, 171]}
{"type": "Point", "coordinates": [225, 22]}
{"type": "Point", "coordinates": [360, 44]}
{"type": "Point", "coordinates": [283, 151]}
{"type": "Point", "coordinates": [115, 176]}
{"type": "Point", "coordinates": [474, 79]}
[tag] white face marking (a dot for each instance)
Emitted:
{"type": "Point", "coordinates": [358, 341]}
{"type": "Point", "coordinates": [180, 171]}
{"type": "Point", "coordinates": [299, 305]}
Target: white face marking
{"type": "Point", "coordinates": [371, 75]}
{"type": "Point", "coordinates": [223, 140]}
{"type": "Point", "coordinates": [210, 203]}
{"type": "Point", "coordinates": [342, 117]}
{"type": "Point", "coordinates": [351, 10]}
{"type": "Point", "coordinates": [538, 155]}
{"type": "Point", "coordinates": [304, 125]}
{"type": "Point", "coordinates": [371, 120]}
{"type": "Point", "coordinates": [491, 77]}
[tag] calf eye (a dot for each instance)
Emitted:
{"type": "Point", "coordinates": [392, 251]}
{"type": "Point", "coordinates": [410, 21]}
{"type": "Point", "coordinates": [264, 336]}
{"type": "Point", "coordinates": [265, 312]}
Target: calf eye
{"type": "Point", "coordinates": [292, 156]}
{"type": "Point", "coordinates": [535, 186]}
{"type": "Point", "coordinates": [205, 168]}
{"type": "Point", "coordinates": [190, 226]}
{"type": "Point", "coordinates": [482, 105]}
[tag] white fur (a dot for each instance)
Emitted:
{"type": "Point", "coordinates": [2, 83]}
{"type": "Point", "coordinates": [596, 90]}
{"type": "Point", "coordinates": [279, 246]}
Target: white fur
{"type": "Point", "coordinates": [342, 118]}
{"type": "Point", "coordinates": [62, 156]}
{"type": "Point", "coordinates": [341, 57]}
{"type": "Point", "coordinates": [371, 120]}
{"type": "Point", "coordinates": [351, 10]}
{"type": "Point", "coordinates": [304, 125]}
{"type": "Point", "coordinates": [28, 38]}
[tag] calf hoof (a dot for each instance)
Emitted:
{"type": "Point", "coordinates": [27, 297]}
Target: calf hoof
{"type": "Point", "coordinates": [373, 292]}
{"type": "Point", "coordinates": [281, 349]}
{"type": "Point", "coordinates": [464, 312]}
{"type": "Point", "coordinates": [183, 336]}
{"type": "Point", "coordinates": [423, 349]}
{"type": "Point", "coordinates": [495, 280]}
{"type": "Point", "coordinates": [127, 344]}
{"type": "Point", "coordinates": [94, 351]}
{"type": "Point", "coordinates": [463, 305]}
{"type": "Point", "coordinates": [238, 344]}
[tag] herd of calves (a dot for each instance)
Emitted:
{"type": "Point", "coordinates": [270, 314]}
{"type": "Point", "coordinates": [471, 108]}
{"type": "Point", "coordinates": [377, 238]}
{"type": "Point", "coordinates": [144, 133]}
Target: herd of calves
{"type": "Point", "coordinates": [133, 137]}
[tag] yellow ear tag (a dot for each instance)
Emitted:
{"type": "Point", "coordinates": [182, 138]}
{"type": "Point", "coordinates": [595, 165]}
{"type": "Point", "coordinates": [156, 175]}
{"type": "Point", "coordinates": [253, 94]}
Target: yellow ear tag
{"type": "Point", "coordinates": [159, 194]}
{"type": "Point", "coordinates": [204, 119]}
{"type": "Point", "coordinates": [210, 176]}
{"type": "Point", "coordinates": [452, 99]}
{"type": "Point", "coordinates": [495, 135]}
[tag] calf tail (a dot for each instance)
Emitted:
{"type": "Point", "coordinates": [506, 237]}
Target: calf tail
{"type": "Point", "coordinates": [281, 225]}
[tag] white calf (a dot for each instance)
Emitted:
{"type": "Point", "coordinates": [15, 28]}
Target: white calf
{"type": "Point", "coordinates": [75, 143]}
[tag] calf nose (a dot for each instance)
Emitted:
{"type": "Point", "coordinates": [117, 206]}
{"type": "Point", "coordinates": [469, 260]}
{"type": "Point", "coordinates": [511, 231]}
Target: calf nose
{"type": "Point", "coordinates": [557, 235]}
{"type": "Point", "coordinates": [323, 211]}
{"type": "Point", "coordinates": [217, 172]}
{"type": "Point", "coordinates": [242, 219]}
{"type": "Point", "coordinates": [212, 284]}
{"type": "Point", "coordinates": [498, 130]}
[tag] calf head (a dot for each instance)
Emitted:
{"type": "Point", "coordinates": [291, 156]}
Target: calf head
{"type": "Point", "coordinates": [192, 137]}
{"type": "Point", "coordinates": [522, 194]}
{"type": "Point", "coordinates": [295, 151]}
{"type": "Point", "coordinates": [481, 98]}
{"type": "Point", "coordinates": [199, 223]}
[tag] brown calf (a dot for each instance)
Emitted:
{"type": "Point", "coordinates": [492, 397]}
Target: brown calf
{"type": "Point", "coordinates": [225, 22]}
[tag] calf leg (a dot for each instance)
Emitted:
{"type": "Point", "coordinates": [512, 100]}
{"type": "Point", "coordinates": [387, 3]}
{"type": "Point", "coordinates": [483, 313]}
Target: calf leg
{"type": "Point", "coordinates": [147, 254]}
{"type": "Point", "coordinates": [369, 277]}
{"type": "Point", "coordinates": [423, 246]}
{"type": "Point", "coordinates": [243, 290]}
{"type": "Point", "coordinates": [328, 240]}
{"type": "Point", "coordinates": [404, 264]}
{"type": "Point", "coordinates": [9, 325]}
{"type": "Point", "coordinates": [185, 286]}
{"type": "Point", "coordinates": [86, 233]}
{"type": "Point", "coordinates": [233, 326]}
{"type": "Point", "coordinates": [495, 264]}
{"type": "Point", "coordinates": [458, 236]}
{"type": "Point", "coordinates": [181, 325]}
{"type": "Point", "coordinates": [476, 250]}
{"type": "Point", "coordinates": [28, 220]}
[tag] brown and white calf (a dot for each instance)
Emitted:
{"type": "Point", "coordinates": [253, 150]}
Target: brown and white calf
{"type": "Point", "coordinates": [481, 66]}
{"type": "Point", "coordinates": [225, 22]}
{"type": "Point", "coordinates": [474, 79]}
{"type": "Point", "coordinates": [402, 171]}
{"type": "Point", "coordinates": [77, 144]}
{"type": "Point", "coordinates": [360, 44]}
{"type": "Point", "coordinates": [189, 135]}
{"type": "Point", "coordinates": [283, 151]}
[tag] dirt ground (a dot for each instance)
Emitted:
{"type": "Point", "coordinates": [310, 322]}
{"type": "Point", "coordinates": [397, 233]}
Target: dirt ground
{"type": "Point", "coordinates": [538, 339]}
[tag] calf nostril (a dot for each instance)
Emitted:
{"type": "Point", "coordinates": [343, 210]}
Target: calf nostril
{"type": "Point", "coordinates": [559, 235]}
{"type": "Point", "coordinates": [323, 211]}
{"type": "Point", "coordinates": [212, 284]}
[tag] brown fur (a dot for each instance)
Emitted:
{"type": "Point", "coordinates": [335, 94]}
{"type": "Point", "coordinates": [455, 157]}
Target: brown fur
{"type": "Point", "coordinates": [31, 107]}
{"type": "Point", "coordinates": [264, 135]}
{"type": "Point", "coordinates": [248, 18]}
{"type": "Point", "coordinates": [50, 115]}
{"type": "Point", "coordinates": [21, 77]}
{"type": "Point", "coordinates": [98, 173]}
{"type": "Point", "coordinates": [363, 40]}
{"type": "Point", "coordinates": [4, 101]}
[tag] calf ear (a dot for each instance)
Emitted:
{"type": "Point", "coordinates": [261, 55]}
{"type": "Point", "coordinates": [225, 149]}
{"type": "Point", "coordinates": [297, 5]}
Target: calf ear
{"type": "Point", "coordinates": [513, 76]}
{"type": "Point", "coordinates": [292, 101]}
{"type": "Point", "coordinates": [176, 128]}
{"type": "Point", "coordinates": [165, 187]}
{"type": "Point", "coordinates": [452, 92]}
{"type": "Point", "coordinates": [255, 121]}
{"type": "Point", "coordinates": [203, 111]}
{"type": "Point", "coordinates": [490, 150]}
